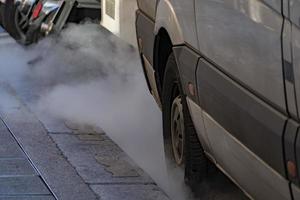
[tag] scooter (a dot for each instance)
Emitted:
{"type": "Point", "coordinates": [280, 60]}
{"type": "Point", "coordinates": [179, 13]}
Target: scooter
{"type": "Point", "coordinates": [30, 20]}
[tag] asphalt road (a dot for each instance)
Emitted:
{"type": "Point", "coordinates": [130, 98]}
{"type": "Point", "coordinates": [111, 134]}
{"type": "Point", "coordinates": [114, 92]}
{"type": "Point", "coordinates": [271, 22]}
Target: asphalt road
{"type": "Point", "coordinates": [74, 159]}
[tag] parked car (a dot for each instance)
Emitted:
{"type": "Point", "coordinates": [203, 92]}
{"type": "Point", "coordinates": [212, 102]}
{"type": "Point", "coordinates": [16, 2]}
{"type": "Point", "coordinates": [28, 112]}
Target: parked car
{"type": "Point", "coordinates": [225, 76]}
{"type": "Point", "coordinates": [29, 20]}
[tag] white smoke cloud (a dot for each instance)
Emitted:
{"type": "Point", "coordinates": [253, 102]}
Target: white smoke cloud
{"type": "Point", "coordinates": [88, 76]}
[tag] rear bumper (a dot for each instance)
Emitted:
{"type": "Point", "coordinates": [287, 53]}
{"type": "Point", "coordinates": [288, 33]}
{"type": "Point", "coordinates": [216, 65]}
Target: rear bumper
{"type": "Point", "coordinates": [146, 40]}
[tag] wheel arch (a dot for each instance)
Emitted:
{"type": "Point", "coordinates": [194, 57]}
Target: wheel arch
{"type": "Point", "coordinates": [163, 47]}
{"type": "Point", "coordinates": [167, 33]}
{"type": "Point", "coordinates": [166, 18]}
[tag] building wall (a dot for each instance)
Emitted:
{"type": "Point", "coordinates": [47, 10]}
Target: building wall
{"type": "Point", "coordinates": [118, 16]}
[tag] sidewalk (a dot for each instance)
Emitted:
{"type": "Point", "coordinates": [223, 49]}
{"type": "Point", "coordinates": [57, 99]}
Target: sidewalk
{"type": "Point", "coordinates": [18, 178]}
{"type": "Point", "coordinates": [76, 164]}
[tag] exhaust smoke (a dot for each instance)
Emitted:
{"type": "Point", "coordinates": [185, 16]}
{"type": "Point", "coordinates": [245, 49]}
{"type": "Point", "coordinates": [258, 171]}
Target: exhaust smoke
{"type": "Point", "coordinates": [89, 77]}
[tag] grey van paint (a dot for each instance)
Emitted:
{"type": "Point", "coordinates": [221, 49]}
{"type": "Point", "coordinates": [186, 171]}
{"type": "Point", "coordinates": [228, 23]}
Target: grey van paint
{"type": "Point", "coordinates": [245, 116]}
{"type": "Point", "coordinates": [296, 60]}
{"type": "Point", "coordinates": [289, 70]}
{"type": "Point", "coordinates": [242, 165]}
{"type": "Point", "coordinates": [231, 155]}
{"type": "Point", "coordinates": [285, 8]}
{"type": "Point", "coordinates": [275, 4]}
{"type": "Point", "coordinates": [295, 27]}
{"type": "Point", "coordinates": [296, 192]}
{"type": "Point", "coordinates": [290, 134]}
{"type": "Point", "coordinates": [174, 16]}
{"type": "Point", "coordinates": [198, 120]}
{"type": "Point", "coordinates": [148, 7]}
{"type": "Point", "coordinates": [243, 37]}
{"type": "Point", "coordinates": [242, 40]}
{"type": "Point", "coordinates": [294, 12]}
{"type": "Point", "coordinates": [178, 18]}
{"type": "Point", "coordinates": [187, 59]}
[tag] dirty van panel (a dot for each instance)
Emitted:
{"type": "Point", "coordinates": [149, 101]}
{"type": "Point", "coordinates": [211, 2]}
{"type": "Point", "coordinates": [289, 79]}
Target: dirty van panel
{"type": "Point", "coordinates": [241, 42]}
{"type": "Point", "coordinates": [234, 34]}
{"type": "Point", "coordinates": [148, 7]}
{"type": "Point", "coordinates": [294, 12]}
{"type": "Point", "coordinates": [295, 19]}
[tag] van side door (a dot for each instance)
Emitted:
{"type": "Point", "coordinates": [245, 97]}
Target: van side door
{"type": "Point", "coordinates": [241, 87]}
{"type": "Point", "coordinates": [294, 16]}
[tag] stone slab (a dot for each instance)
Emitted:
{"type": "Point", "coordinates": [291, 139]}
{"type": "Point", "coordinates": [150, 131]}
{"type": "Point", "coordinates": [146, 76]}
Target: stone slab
{"type": "Point", "coordinates": [9, 148]}
{"type": "Point", "coordinates": [129, 192]}
{"type": "Point", "coordinates": [16, 167]}
{"type": "Point", "coordinates": [61, 177]}
{"type": "Point", "coordinates": [22, 185]}
{"type": "Point", "coordinates": [92, 162]}
{"type": "Point", "coordinates": [39, 197]}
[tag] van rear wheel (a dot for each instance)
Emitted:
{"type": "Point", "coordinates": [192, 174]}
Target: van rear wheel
{"type": "Point", "coordinates": [181, 142]}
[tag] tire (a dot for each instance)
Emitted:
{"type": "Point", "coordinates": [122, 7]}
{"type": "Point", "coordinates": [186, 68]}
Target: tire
{"type": "Point", "coordinates": [23, 34]}
{"type": "Point", "coordinates": [193, 162]}
{"type": "Point", "coordinates": [9, 22]}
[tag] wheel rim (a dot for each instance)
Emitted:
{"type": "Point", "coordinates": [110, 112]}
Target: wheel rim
{"type": "Point", "coordinates": [177, 130]}
{"type": "Point", "coordinates": [22, 21]}
{"type": "Point", "coordinates": [22, 17]}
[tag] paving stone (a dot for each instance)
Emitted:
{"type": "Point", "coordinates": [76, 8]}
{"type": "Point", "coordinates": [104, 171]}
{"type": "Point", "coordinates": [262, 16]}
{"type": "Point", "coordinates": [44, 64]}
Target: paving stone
{"type": "Point", "coordinates": [81, 128]}
{"type": "Point", "coordinates": [61, 177]}
{"type": "Point", "coordinates": [91, 137]}
{"type": "Point", "coordinates": [50, 123]}
{"type": "Point", "coordinates": [117, 166]}
{"type": "Point", "coordinates": [83, 158]}
{"type": "Point", "coordinates": [54, 125]}
{"type": "Point", "coordinates": [22, 185]}
{"type": "Point", "coordinates": [9, 148]}
{"type": "Point", "coordinates": [129, 192]}
{"type": "Point", "coordinates": [39, 197]}
{"type": "Point", "coordinates": [16, 167]}
{"type": "Point", "coordinates": [55, 155]}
